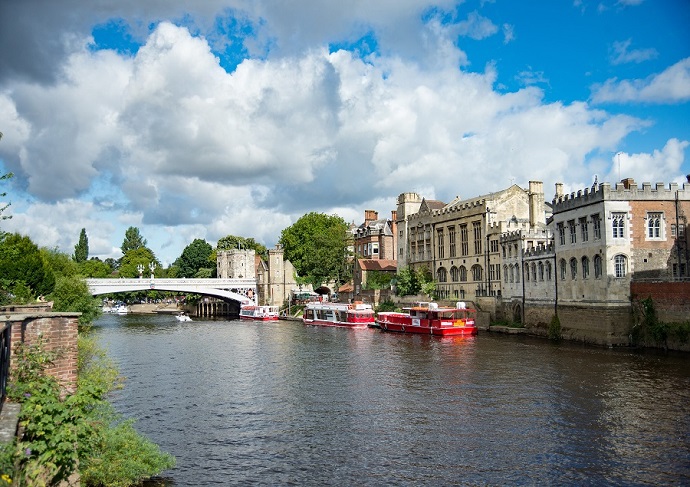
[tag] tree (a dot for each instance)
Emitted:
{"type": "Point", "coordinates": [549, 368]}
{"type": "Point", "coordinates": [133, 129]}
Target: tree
{"type": "Point", "coordinates": [195, 256]}
{"type": "Point", "coordinates": [94, 267]}
{"type": "Point", "coordinates": [81, 250]}
{"type": "Point", "coordinates": [409, 282]}
{"type": "Point", "coordinates": [232, 242]}
{"type": "Point", "coordinates": [379, 280]}
{"type": "Point", "coordinates": [133, 240]}
{"type": "Point", "coordinates": [130, 262]}
{"type": "Point", "coordinates": [72, 294]}
{"type": "Point", "coordinates": [21, 263]}
{"type": "Point", "coordinates": [316, 244]}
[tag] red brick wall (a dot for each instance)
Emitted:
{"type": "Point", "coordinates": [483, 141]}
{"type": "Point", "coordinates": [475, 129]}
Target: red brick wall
{"type": "Point", "coordinates": [671, 299]}
{"type": "Point", "coordinates": [59, 332]}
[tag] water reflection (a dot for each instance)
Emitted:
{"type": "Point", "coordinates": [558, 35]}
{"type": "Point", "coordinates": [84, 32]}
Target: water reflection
{"type": "Point", "coordinates": [281, 403]}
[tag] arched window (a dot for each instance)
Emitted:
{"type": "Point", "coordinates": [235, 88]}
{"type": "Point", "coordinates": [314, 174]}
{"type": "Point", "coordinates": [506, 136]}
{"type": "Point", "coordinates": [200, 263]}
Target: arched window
{"type": "Point", "coordinates": [534, 271]}
{"type": "Point", "coordinates": [573, 268]}
{"type": "Point", "coordinates": [512, 274]}
{"type": "Point", "coordinates": [597, 266]}
{"type": "Point", "coordinates": [463, 273]}
{"type": "Point", "coordinates": [541, 271]}
{"type": "Point", "coordinates": [585, 267]}
{"type": "Point", "coordinates": [526, 267]}
{"type": "Point", "coordinates": [517, 273]}
{"type": "Point", "coordinates": [476, 272]}
{"type": "Point", "coordinates": [505, 273]}
{"type": "Point", "coordinates": [620, 265]}
{"type": "Point", "coordinates": [454, 274]}
{"type": "Point", "coordinates": [442, 275]}
{"type": "Point", "coordinates": [548, 271]}
{"type": "Point", "coordinates": [563, 266]}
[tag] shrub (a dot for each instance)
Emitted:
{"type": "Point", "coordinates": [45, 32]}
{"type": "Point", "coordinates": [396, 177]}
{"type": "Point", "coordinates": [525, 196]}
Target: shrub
{"type": "Point", "coordinates": [555, 328]}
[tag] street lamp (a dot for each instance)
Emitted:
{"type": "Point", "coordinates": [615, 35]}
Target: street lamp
{"type": "Point", "coordinates": [152, 267]}
{"type": "Point", "coordinates": [140, 268]}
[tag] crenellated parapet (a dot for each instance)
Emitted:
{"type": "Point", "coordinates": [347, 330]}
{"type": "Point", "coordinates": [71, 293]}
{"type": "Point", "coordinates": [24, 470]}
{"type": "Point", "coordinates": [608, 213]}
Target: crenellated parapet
{"type": "Point", "coordinates": [627, 190]}
{"type": "Point", "coordinates": [541, 250]}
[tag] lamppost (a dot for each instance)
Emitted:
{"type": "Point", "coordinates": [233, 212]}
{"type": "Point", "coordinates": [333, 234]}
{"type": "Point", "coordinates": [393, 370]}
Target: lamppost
{"type": "Point", "coordinates": [152, 267]}
{"type": "Point", "coordinates": [140, 268]}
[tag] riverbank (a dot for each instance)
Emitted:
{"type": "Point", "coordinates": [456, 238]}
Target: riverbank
{"type": "Point", "coordinates": [153, 308]}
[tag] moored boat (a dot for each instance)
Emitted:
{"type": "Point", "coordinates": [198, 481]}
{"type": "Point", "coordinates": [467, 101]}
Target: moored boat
{"type": "Point", "coordinates": [430, 319]}
{"type": "Point", "coordinates": [355, 315]}
{"type": "Point", "coordinates": [259, 313]}
{"type": "Point", "coordinates": [183, 317]}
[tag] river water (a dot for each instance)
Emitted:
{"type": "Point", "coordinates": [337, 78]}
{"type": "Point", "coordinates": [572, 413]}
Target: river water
{"type": "Point", "coordinates": [241, 403]}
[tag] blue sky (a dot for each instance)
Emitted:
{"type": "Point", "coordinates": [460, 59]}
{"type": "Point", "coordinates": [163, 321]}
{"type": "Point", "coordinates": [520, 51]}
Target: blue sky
{"type": "Point", "coordinates": [239, 116]}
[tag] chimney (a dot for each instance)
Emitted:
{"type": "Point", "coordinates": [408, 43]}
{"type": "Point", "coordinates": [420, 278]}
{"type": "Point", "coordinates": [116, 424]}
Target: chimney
{"type": "Point", "coordinates": [370, 216]}
{"type": "Point", "coordinates": [394, 213]}
{"type": "Point", "coordinates": [536, 202]}
{"type": "Point", "coordinates": [559, 190]}
{"type": "Point", "coordinates": [628, 182]}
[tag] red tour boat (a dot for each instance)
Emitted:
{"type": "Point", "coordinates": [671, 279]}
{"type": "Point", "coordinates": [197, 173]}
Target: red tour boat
{"type": "Point", "coordinates": [430, 319]}
{"type": "Point", "coordinates": [259, 313]}
{"type": "Point", "coordinates": [356, 315]}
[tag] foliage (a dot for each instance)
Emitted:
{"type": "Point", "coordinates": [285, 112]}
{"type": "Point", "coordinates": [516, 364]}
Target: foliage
{"type": "Point", "coordinates": [5, 176]}
{"type": "Point", "coordinates": [316, 244]}
{"type": "Point", "coordinates": [133, 240]}
{"type": "Point", "coordinates": [72, 294]}
{"type": "Point", "coordinates": [651, 328]}
{"type": "Point", "coordinates": [195, 256]}
{"type": "Point", "coordinates": [555, 328]}
{"type": "Point", "coordinates": [378, 280]}
{"type": "Point", "coordinates": [205, 273]}
{"type": "Point", "coordinates": [409, 282]}
{"type": "Point", "coordinates": [59, 262]}
{"type": "Point", "coordinates": [134, 258]}
{"type": "Point", "coordinates": [230, 242]}
{"type": "Point", "coordinates": [21, 261]}
{"type": "Point", "coordinates": [81, 250]}
{"type": "Point", "coordinates": [386, 305]}
{"type": "Point", "coordinates": [81, 429]}
{"type": "Point", "coordinates": [94, 267]}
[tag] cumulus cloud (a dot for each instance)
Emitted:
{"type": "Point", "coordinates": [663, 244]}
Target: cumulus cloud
{"type": "Point", "coordinates": [670, 86]}
{"type": "Point", "coordinates": [649, 167]}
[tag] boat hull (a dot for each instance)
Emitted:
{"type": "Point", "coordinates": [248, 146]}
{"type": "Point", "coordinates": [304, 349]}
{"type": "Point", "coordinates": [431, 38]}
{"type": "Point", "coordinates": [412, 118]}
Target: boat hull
{"type": "Point", "coordinates": [344, 324]}
{"type": "Point", "coordinates": [437, 322]}
{"type": "Point", "coordinates": [429, 330]}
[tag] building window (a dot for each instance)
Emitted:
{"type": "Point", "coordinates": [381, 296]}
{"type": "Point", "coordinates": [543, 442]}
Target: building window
{"type": "Point", "coordinates": [563, 266]}
{"type": "Point", "coordinates": [477, 233]}
{"type": "Point", "coordinates": [494, 246]}
{"type": "Point", "coordinates": [441, 249]}
{"type": "Point", "coordinates": [512, 274]}
{"type": "Point", "coordinates": [541, 271]}
{"type": "Point", "coordinates": [585, 267]}
{"type": "Point", "coordinates": [654, 226]}
{"type": "Point", "coordinates": [505, 273]}
{"type": "Point", "coordinates": [517, 273]}
{"type": "Point", "coordinates": [573, 268]}
{"type": "Point", "coordinates": [463, 273]}
{"type": "Point", "coordinates": [596, 226]}
{"type": "Point", "coordinates": [561, 234]}
{"type": "Point", "coordinates": [476, 272]}
{"type": "Point", "coordinates": [375, 248]}
{"type": "Point", "coordinates": [620, 265]}
{"type": "Point", "coordinates": [548, 271]}
{"type": "Point", "coordinates": [451, 240]}
{"type": "Point", "coordinates": [584, 229]}
{"type": "Point", "coordinates": [618, 225]}
{"type": "Point", "coordinates": [464, 243]}
{"type": "Point", "coordinates": [573, 231]}
{"type": "Point", "coordinates": [597, 267]}
{"type": "Point", "coordinates": [534, 272]}
{"type": "Point", "coordinates": [492, 273]}
{"type": "Point", "coordinates": [442, 274]}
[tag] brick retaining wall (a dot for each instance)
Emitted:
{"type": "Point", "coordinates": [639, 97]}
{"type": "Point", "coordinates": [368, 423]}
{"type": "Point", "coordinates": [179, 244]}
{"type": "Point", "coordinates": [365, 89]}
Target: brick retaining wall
{"type": "Point", "coordinates": [671, 299]}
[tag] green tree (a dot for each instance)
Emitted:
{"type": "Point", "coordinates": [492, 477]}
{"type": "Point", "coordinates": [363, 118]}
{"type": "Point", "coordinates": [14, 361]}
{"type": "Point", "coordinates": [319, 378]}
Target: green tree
{"type": "Point", "coordinates": [81, 250]}
{"type": "Point", "coordinates": [316, 244]}
{"type": "Point", "coordinates": [230, 242]}
{"type": "Point", "coordinates": [21, 263]}
{"type": "Point", "coordinates": [130, 262]}
{"type": "Point", "coordinates": [72, 294]}
{"type": "Point", "coordinates": [409, 282]}
{"type": "Point", "coordinates": [195, 256]}
{"type": "Point", "coordinates": [379, 280]}
{"type": "Point", "coordinates": [59, 262]}
{"type": "Point", "coordinates": [133, 240]}
{"type": "Point", "coordinates": [94, 267]}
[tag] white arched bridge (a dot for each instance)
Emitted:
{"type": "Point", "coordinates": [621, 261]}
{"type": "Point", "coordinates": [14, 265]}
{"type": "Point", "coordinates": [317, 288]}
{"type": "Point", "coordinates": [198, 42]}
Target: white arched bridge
{"type": "Point", "coordinates": [240, 290]}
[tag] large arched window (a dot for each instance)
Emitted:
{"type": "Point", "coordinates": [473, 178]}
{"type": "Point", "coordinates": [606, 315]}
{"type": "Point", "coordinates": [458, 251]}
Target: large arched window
{"type": "Point", "coordinates": [476, 272]}
{"type": "Point", "coordinates": [454, 274]}
{"type": "Point", "coordinates": [573, 268]}
{"type": "Point", "coordinates": [585, 267]}
{"type": "Point", "coordinates": [541, 271]}
{"type": "Point", "coordinates": [563, 267]}
{"type": "Point", "coordinates": [526, 269]}
{"type": "Point", "coordinates": [548, 271]}
{"type": "Point", "coordinates": [620, 264]}
{"type": "Point", "coordinates": [505, 273]}
{"type": "Point", "coordinates": [597, 266]}
{"type": "Point", "coordinates": [442, 275]}
{"type": "Point", "coordinates": [517, 273]}
{"type": "Point", "coordinates": [463, 273]}
{"type": "Point", "coordinates": [534, 271]}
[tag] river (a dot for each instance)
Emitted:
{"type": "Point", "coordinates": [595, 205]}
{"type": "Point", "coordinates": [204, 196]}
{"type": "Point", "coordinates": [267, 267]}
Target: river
{"type": "Point", "coordinates": [242, 403]}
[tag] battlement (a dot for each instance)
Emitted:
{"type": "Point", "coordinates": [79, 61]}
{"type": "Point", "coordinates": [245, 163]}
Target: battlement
{"type": "Point", "coordinates": [543, 249]}
{"type": "Point", "coordinates": [626, 190]}
{"type": "Point", "coordinates": [526, 234]}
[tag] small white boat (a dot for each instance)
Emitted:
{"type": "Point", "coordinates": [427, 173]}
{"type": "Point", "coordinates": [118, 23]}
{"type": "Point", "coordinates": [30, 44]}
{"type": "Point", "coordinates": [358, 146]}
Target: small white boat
{"type": "Point", "coordinates": [120, 309]}
{"type": "Point", "coordinates": [183, 317]}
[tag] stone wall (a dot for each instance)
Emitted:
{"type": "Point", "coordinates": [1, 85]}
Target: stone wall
{"type": "Point", "coordinates": [671, 299]}
{"type": "Point", "coordinates": [59, 332]}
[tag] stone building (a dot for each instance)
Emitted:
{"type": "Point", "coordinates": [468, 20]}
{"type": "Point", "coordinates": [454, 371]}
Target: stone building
{"type": "Point", "coordinates": [604, 238]}
{"type": "Point", "coordinates": [459, 241]}
{"type": "Point", "coordinates": [375, 238]}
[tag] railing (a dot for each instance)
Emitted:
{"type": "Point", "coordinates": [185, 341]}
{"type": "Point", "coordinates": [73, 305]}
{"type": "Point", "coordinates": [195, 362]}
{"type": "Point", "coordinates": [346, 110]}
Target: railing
{"type": "Point", "coordinates": [5, 334]}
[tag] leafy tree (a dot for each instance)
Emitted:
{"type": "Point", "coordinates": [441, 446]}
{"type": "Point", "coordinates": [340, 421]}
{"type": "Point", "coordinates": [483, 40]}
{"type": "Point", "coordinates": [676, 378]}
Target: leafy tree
{"type": "Point", "coordinates": [94, 267]}
{"type": "Point", "coordinates": [230, 242]}
{"type": "Point", "coordinates": [133, 258]}
{"type": "Point", "coordinates": [409, 282]}
{"type": "Point", "coordinates": [114, 264]}
{"type": "Point", "coordinates": [21, 262]}
{"type": "Point", "coordinates": [195, 256]}
{"type": "Point", "coordinates": [133, 240]}
{"type": "Point", "coordinates": [72, 294]}
{"type": "Point", "coordinates": [379, 280]}
{"type": "Point", "coordinates": [59, 262]}
{"type": "Point", "coordinates": [316, 244]}
{"type": "Point", "coordinates": [8, 175]}
{"type": "Point", "coordinates": [81, 250]}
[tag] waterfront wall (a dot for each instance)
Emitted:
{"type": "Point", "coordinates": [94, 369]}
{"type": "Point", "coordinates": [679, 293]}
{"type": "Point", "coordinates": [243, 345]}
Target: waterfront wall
{"type": "Point", "coordinates": [58, 332]}
{"type": "Point", "coordinates": [671, 299]}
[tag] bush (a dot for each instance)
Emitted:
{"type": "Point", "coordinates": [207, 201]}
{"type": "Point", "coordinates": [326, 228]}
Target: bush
{"type": "Point", "coordinates": [555, 328]}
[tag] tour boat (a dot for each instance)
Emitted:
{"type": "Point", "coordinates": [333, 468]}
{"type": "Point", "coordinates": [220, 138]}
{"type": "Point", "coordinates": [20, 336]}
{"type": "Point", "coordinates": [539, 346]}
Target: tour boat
{"type": "Point", "coordinates": [259, 313]}
{"type": "Point", "coordinates": [183, 317]}
{"type": "Point", "coordinates": [430, 319]}
{"type": "Point", "coordinates": [356, 315]}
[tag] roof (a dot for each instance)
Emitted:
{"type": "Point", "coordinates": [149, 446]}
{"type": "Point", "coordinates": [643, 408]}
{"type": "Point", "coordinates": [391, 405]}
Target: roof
{"type": "Point", "coordinates": [378, 264]}
{"type": "Point", "coordinates": [346, 288]}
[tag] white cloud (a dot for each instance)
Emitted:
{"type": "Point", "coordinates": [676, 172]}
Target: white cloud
{"type": "Point", "coordinates": [654, 167]}
{"type": "Point", "coordinates": [670, 86]}
{"type": "Point", "coordinates": [621, 54]}
{"type": "Point", "coordinates": [476, 26]}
